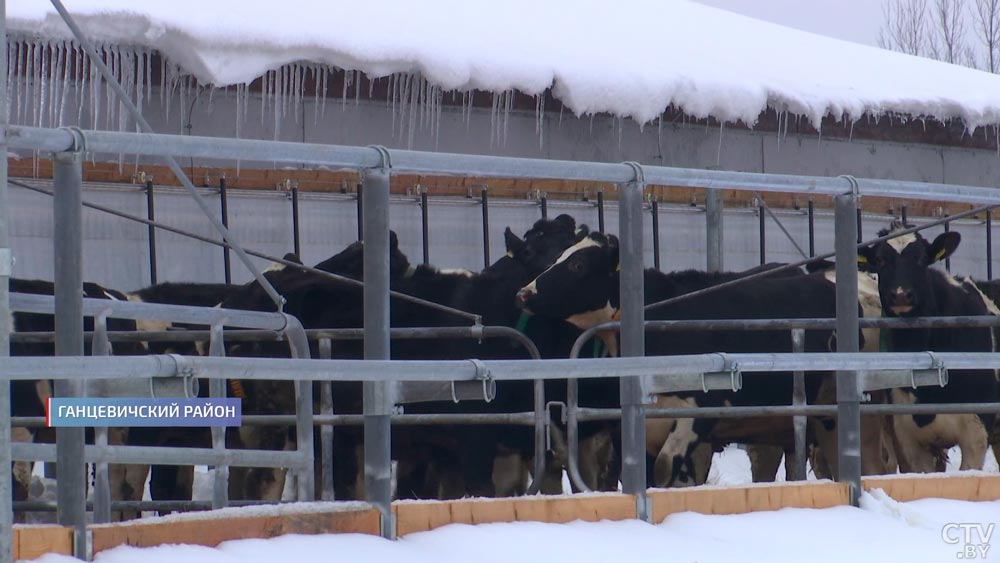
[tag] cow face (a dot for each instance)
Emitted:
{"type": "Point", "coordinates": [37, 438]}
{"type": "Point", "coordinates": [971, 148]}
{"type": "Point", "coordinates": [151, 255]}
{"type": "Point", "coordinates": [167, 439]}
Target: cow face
{"type": "Point", "coordinates": [581, 287]}
{"type": "Point", "coordinates": [903, 268]}
{"type": "Point", "coordinates": [543, 243]}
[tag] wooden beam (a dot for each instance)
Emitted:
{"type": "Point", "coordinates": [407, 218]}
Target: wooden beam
{"type": "Point", "coordinates": [957, 486]}
{"type": "Point", "coordinates": [752, 498]}
{"type": "Point", "coordinates": [214, 527]}
{"type": "Point", "coordinates": [34, 541]}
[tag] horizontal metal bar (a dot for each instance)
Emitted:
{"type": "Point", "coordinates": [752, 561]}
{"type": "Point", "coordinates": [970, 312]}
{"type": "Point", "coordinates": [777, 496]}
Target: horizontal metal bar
{"type": "Point", "coordinates": [45, 304]}
{"type": "Point", "coordinates": [58, 140]}
{"type": "Point", "coordinates": [21, 451]}
{"type": "Point", "coordinates": [591, 414]}
{"type": "Point", "coordinates": [144, 505]}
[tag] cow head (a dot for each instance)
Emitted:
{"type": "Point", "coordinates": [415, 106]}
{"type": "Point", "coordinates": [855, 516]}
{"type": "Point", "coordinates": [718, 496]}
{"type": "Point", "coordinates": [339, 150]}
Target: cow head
{"type": "Point", "coordinates": [903, 268]}
{"type": "Point", "coordinates": [350, 261]}
{"type": "Point", "coordinates": [543, 243]}
{"type": "Point", "coordinates": [581, 287]}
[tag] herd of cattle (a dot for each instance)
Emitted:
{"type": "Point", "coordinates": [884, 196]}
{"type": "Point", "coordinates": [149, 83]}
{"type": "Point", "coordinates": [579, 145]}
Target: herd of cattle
{"type": "Point", "coordinates": [554, 282]}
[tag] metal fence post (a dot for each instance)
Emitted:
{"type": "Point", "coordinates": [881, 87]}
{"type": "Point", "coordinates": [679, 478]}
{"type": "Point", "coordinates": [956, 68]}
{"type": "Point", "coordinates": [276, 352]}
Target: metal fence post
{"type": "Point", "coordinates": [799, 399]}
{"type": "Point", "coordinates": [762, 227]}
{"type": "Point", "coordinates": [6, 264]}
{"type": "Point", "coordinates": [217, 390]}
{"type": "Point", "coordinates": [655, 210]}
{"type": "Point", "coordinates": [224, 203]}
{"type": "Point", "coordinates": [68, 220]}
{"type": "Point", "coordinates": [812, 228]}
{"type": "Point", "coordinates": [296, 241]}
{"type": "Point", "coordinates": [378, 396]}
{"type": "Point", "coordinates": [633, 337]}
{"type": "Point", "coordinates": [989, 245]}
{"type": "Point", "coordinates": [151, 230]}
{"type": "Point", "coordinates": [486, 226]}
{"type": "Point", "coordinates": [425, 224]}
{"type": "Point", "coordinates": [713, 229]}
{"type": "Point", "coordinates": [848, 389]}
{"type": "Point", "coordinates": [544, 203]}
{"type": "Point", "coordinates": [326, 431]}
{"type": "Point", "coordinates": [600, 209]}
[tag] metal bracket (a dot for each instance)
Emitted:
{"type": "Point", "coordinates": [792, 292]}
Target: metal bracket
{"type": "Point", "coordinates": [383, 154]}
{"type": "Point", "coordinates": [853, 183]}
{"type": "Point", "coordinates": [6, 262]}
{"type": "Point", "coordinates": [640, 177]}
{"type": "Point", "coordinates": [730, 378]}
{"type": "Point", "coordinates": [936, 374]}
{"type": "Point", "coordinates": [483, 375]}
{"type": "Point", "coordinates": [79, 139]}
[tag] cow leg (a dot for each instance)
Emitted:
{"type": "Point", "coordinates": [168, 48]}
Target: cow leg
{"type": "Point", "coordinates": [508, 472]}
{"type": "Point", "coordinates": [21, 471]}
{"type": "Point", "coordinates": [127, 481]}
{"type": "Point", "coordinates": [701, 460]}
{"type": "Point", "coordinates": [595, 456]}
{"type": "Point", "coordinates": [673, 466]}
{"type": "Point", "coordinates": [764, 462]}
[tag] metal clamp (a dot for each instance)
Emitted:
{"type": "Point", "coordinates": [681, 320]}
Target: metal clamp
{"type": "Point", "coordinates": [489, 384]}
{"type": "Point", "coordinates": [937, 373]}
{"type": "Point", "coordinates": [79, 139]}
{"type": "Point", "coordinates": [640, 177]}
{"type": "Point", "coordinates": [383, 154]}
{"type": "Point", "coordinates": [853, 183]}
{"type": "Point", "coordinates": [729, 378]}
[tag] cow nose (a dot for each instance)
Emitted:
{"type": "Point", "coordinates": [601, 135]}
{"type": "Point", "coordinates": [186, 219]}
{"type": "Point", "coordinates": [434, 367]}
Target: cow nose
{"type": "Point", "coordinates": [902, 297]}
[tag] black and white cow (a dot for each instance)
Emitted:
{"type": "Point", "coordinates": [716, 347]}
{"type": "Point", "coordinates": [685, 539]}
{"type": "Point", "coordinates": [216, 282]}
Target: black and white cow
{"type": "Point", "coordinates": [582, 287]}
{"type": "Point", "coordinates": [465, 454]}
{"type": "Point", "coordinates": [909, 286]}
{"type": "Point", "coordinates": [29, 398]}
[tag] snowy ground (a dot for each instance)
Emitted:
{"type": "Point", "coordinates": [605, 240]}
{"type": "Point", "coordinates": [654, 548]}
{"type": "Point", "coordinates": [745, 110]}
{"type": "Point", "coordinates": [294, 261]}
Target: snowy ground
{"type": "Point", "coordinates": [880, 530]}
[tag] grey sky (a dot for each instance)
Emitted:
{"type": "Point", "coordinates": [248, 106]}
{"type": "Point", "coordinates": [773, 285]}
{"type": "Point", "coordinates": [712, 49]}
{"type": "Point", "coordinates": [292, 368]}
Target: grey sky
{"type": "Point", "coordinates": [853, 20]}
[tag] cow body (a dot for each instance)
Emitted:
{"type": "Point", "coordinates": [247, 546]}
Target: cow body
{"type": "Point", "coordinates": [910, 287]}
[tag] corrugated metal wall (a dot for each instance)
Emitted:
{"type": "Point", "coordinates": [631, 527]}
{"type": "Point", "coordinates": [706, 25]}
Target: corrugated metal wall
{"type": "Point", "coordinates": [116, 250]}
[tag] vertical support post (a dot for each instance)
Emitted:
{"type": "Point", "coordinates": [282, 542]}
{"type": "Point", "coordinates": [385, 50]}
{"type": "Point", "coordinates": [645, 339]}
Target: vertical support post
{"type": "Point", "coordinates": [425, 224]}
{"type": "Point", "coordinates": [848, 390]}
{"type": "Point", "coordinates": [812, 228]}
{"type": "Point", "coordinates": [799, 399]}
{"type": "Point", "coordinates": [296, 227]}
{"type": "Point", "coordinates": [713, 229]}
{"type": "Point", "coordinates": [68, 217]}
{"type": "Point", "coordinates": [631, 293]}
{"type": "Point", "coordinates": [655, 210]}
{"type": "Point", "coordinates": [902, 213]}
{"type": "Point", "coordinates": [361, 212]}
{"type": "Point", "coordinates": [989, 244]}
{"type": "Point", "coordinates": [860, 235]}
{"type": "Point", "coordinates": [100, 346]}
{"type": "Point", "coordinates": [6, 265]}
{"type": "Point", "coordinates": [151, 232]}
{"type": "Point", "coordinates": [224, 201]}
{"type": "Point", "coordinates": [600, 209]}
{"type": "Point", "coordinates": [947, 261]}
{"type": "Point", "coordinates": [763, 231]}
{"type": "Point", "coordinates": [378, 395]}
{"type": "Point", "coordinates": [217, 390]}
{"type": "Point", "coordinates": [326, 431]}
{"type": "Point", "coordinates": [486, 226]}
{"type": "Point", "coordinates": [544, 199]}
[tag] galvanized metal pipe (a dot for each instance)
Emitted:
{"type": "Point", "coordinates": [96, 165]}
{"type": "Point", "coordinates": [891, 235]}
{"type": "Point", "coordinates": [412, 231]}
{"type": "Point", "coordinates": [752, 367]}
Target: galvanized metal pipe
{"type": "Point", "coordinates": [6, 265]}
{"type": "Point", "coordinates": [633, 340]}
{"type": "Point", "coordinates": [141, 455]}
{"type": "Point", "coordinates": [217, 390]}
{"type": "Point", "coordinates": [227, 268]}
{"type": "Point", "coordinates": [68, 306]}
{"type": "Point", "coordinates": [296, 241]}
{"type": "Point", "coordinates": [378, 395]}
{"type": "Point", "coordinates": [799, 399]}
{"type": "Point", "coordinates": [714, 207]}
{"type": "Point", "coordinates": [326, 431]}
{"type": "Point", "coordinates": [150, 230]}
{"type": "Point", "coordinates": [485, 200]}
{"type": "Point", "coordinates": [848, 388]}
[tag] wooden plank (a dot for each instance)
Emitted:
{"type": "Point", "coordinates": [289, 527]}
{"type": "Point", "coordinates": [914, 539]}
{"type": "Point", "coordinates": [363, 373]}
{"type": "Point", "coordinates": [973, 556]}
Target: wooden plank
{"type": "Point", "coordinates": [956, 486]}
{"type": "Point", "coordinates": [32, 542]}
{"type": "Point", "coordinates": [214, 527]}
{"type": "Point", "coordinates": [740, 500]}
{"type": "Point", "coordinates": [421, 516]}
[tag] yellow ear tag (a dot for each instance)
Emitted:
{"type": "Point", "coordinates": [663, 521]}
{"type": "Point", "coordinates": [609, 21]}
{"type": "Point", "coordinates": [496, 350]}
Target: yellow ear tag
{"type": "Point", "coordinates": [510, 254]}
{"type": "Point", "coordinates": [940, 254]}
{"type": "Point", "coordinates": [619, 267]}
{"type": "Point", "coordinates": [862, 259]}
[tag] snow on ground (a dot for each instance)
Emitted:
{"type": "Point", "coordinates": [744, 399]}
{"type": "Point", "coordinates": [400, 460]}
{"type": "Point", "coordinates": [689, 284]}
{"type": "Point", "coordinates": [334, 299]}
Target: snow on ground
{"type": "Point", "coordinates": [596, 56]}
{"type": "Point", "coordinates": [880, 530]}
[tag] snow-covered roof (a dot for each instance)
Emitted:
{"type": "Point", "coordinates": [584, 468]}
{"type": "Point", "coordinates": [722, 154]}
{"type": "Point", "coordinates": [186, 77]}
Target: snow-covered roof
{"type": "Point", "coordinates": [629, 58]}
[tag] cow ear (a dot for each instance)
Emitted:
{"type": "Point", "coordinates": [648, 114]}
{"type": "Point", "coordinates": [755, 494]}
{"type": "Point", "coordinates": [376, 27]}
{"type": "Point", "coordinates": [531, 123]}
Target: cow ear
{"type": "Point", "coordinates": [582, 232]}
{"type": "Point", "coordinates": [612, 250]}
{"type": "Point", "coordinates": [944, 246]}
{"type": "Point", "coordinates": [565, 221]}
{"type": "Point", "coordinates": [393, 240]}
{"type": "Point", "coordinates": [512, 241]}
{"type": "Point", "coordinates": [292, 257]}
{"type": "Point", "coordinates": [866, 259]}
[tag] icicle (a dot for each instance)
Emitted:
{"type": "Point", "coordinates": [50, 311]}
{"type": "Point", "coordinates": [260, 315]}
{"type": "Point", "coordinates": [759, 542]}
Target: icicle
{"type": "Point", "coordinates": [326, 81]}
{"type": "Point", "coordinates": [414, 99]}
{"type": "Point", "coordinates": [343, 94]}
{"type": "Point", "coordinates": [850, 135]}
{"type": "Point", "coordinates": [17, 73]}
